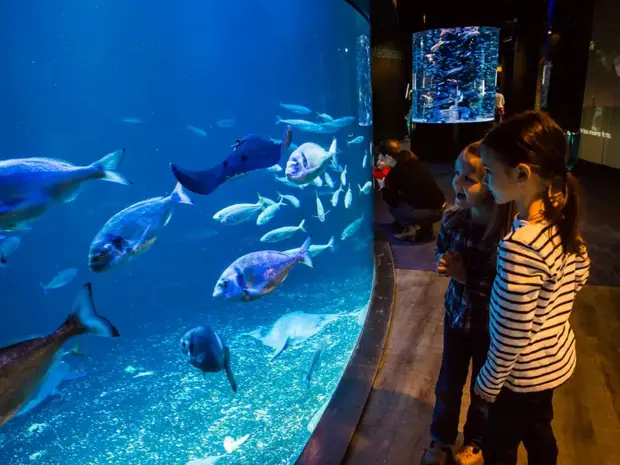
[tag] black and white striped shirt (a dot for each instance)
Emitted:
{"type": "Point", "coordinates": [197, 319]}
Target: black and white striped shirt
{"type": "Point", "coordinates": [532, 343]}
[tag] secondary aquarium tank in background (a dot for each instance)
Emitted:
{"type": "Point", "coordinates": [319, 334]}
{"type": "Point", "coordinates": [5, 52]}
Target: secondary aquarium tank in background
{"type": "Point", "coordinates": [244, 266]}
{"type": "Point", "coordinates": [454, 75]}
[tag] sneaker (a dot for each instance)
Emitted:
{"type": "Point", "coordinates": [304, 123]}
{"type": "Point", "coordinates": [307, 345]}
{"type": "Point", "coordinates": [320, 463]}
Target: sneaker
{"type": "Point", "coordinates": [408, 234]}
{"type": "Point", "coordinates": [436, 454]}
{"type": "Point", "coordinates": [468, 455]}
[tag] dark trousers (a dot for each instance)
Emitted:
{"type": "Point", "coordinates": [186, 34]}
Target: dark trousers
{"type": "Point", "coordinates": [459, 347]}
{"type": "Point", "coordinates": [521, 417]}
{"type": "Point", "coordinates": [407, 216]}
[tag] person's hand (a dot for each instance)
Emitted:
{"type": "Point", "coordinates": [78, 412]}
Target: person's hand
{"type": "Point", "coordinates": [483, 396]}
{"type": "Point", "coordinates": [451, 264]}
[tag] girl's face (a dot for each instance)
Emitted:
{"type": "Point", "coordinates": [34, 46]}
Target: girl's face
{"type": "Point", "coordinates": [502, 181]}
{"type": "Point", "coordinates": [467, 182]}
{"type": "Point", "coordinates": [390, 161]}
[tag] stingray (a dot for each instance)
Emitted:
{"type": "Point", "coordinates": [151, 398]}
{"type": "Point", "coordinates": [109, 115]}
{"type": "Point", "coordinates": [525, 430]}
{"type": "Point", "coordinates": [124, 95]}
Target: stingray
{"type": "Point", "coordinates": [250, 153]}
{"type": "Point", "coordinates": [294, 328]}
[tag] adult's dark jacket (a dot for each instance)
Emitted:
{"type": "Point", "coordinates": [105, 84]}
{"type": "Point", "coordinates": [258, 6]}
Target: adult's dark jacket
{"type": "Point", "coordinates": [412, 182]}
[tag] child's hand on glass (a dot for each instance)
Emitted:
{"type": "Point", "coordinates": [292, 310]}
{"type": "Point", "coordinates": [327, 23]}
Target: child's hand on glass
{"type": "Point", "coordinates": [451, 264]}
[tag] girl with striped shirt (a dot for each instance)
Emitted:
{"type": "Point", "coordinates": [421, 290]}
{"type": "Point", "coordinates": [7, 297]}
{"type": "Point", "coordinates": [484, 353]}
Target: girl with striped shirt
{"type": "Point", "coordinates": [541, 266]}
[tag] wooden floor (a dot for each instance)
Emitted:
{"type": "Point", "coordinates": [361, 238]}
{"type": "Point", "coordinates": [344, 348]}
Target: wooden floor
{"type": "Point", "coordinates": [394, 427]}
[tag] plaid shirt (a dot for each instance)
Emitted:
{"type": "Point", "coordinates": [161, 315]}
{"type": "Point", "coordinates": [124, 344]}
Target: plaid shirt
{"type": "Point", "coordinates": [467, 305]}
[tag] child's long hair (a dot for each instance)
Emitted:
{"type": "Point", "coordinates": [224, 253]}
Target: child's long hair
{"type": "Point", "coordinates": [535, 139]}
{"type": "Point", "coordinates": [502, 216]}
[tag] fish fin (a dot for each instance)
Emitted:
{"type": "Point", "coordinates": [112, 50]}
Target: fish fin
{"type": "Point", "coordinates": [229, 373]}
{"type": "Point", "coordinates": [198, 182]}
{"type": "Point", "coordinates": [330, 243]}
{"type": "Point", "coordinates": [75, 351]}
{"type": "Point", "coordinates": [280, 349]}
{"type": "Point", "coordinates": [142, 244]}
{"type": "Point", "coordinates": [278, 119]}
{"type": "Point", "coordinates": [256, 334]}
{"type": "Point", "coordinates": [179, 196]}
{"type": "Point", "coordinates": [55, 393]}
{"type": "Point", "coordinates": [301, 225]}
{"type": "Point", "coordinates": [44, 288]}
{"type": "Point", "coordinates": [333, 148]}
{"type": "Point", "coordinates": [287, 138]}
{"type": "Point", "coordinates": [90, 320]}
{"type": "Point", "coordinates": [304, 253]}
{"type": "Point", "coordinates": [110, 164]}
{"type": "Point", "coordinates": [74, 195]}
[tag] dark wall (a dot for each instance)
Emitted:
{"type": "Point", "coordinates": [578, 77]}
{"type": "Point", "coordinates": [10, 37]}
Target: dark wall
{"type": "Point", "coordinates": [572, 29]}
{"type": "Point", "coordinates": [388, 73]}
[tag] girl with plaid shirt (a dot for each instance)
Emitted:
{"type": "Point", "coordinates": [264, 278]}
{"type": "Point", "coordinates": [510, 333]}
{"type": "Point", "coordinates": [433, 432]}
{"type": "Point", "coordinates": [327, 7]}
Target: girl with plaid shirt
{"type": "Point", "coordinates": [466, 252]}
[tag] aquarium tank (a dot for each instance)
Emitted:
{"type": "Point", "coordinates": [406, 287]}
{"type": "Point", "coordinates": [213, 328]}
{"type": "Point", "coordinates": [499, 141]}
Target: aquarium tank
{"type": "Point", "coordinates": [185, 227]}
{"type": "Point", "coordinates": [454, 75]}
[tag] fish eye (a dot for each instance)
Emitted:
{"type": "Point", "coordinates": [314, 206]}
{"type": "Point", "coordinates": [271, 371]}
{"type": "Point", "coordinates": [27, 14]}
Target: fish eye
{"type": "Point", "coordinates": [225, 283]}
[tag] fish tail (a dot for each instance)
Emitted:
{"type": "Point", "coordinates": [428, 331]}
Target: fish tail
{"type": "Point", "coordinates": [278, 119]}
{"type": "Point", "coordinates": [304, 253]}
{"type": "Point", "coordinates": [89, 321]}
{"type": "Point", "coordinates": [229, 373]}
{"type": "Point", "coordinates": [109, 165]}
{"type": "Point", "coordinates": [330, 243]}
{"type": "Point", "coordinates": [301, 225]}
{"type": "Point", "coordinates": [180, 196]}
{"type": "Point", "coordinates": [44, 288]}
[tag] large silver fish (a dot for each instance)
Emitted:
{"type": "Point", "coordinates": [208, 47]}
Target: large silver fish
{"type": "Point", "coordinates": [133, 231]}
{"type": "Point", "coordinates": [29, 187]}
{"type": "Point", "coordinates": [24, 365]}
{"type": "Point", "coordinates": [308, 162]}
{"type": "Point", "coordinates": [258, 273]}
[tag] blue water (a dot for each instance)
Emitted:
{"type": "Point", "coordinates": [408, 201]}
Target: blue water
{"type": "Point", "coordinates": [82, 79]}
{"type": "Point", "coordinates": [454, 75]}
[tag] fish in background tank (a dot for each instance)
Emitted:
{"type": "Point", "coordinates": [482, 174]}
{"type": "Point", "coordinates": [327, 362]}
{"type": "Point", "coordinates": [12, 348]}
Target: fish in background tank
{"type": "Point", "coordinates": [454, 75]}
{"type": "Point", "coordinates": [186, 248]}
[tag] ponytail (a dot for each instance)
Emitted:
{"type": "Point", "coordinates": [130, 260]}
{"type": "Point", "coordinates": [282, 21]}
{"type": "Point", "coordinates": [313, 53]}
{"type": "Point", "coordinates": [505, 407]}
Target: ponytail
{"type": "Point", "coordinates": [565, 215]}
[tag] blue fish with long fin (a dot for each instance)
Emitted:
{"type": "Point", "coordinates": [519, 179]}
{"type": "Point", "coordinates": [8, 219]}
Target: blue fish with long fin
{"type": "Point", "coordinates": [249, 154]}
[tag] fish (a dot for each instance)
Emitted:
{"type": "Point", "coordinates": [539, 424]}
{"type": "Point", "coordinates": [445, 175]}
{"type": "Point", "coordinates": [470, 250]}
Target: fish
{"type": "Point", "coordinates": [23, 365]}
{"type": "Point", "coordinates": [265, 201]}
{"type": "Point", "coordinates": [132, 120]}
{"type": "Point", "coordinates": [352, 228]}
{"type": "Point", "coordinates": [320, 211]}
{"type": "Point", "coordinates": [59, 372]}
{"type": "Point", "coordinates": [300, 124]}
{"type": "Point", "coordinates": [348, 198]}
{"type": "Point", "coordinates": [7, 247]}
{"type": "Point", "coordinates": [249, 154]}
{"type": "Point", "coordinates": [293, 329]}
{"type": "Point", "coordinates": [257, 274]}
{"type": "Point", "coordinates": [314, 250]}
{"type": "Point", "coordinates": [299, 109]}
{"type": "Point", "coordinates": [365, 189]}
{"type": "Point", "coordinates": [325, 117]}
{"type": "Point", "coordinates": [317, 417]}
{"type": "Point", "coordinates": [212, 460]}
{"type": "Point", "coordinates": [240, 209]}
{"type": "Point", "coordinates": [365, 159]}
{"type": "Point", "coordinates": [357, 140]}
{"type": "Point", "coordinates": [268, 213]}
{"type": "Point", "coordinates": [207, 352]}
{"type": "Point", "coordinates": [318, 182]}
{"type": "Point", "coordinates": [294, 201]}
{"type": "Point", "coordinates": [316, 361]}
{"type": "Point", "coordinates": [61, 279]}
{"type": "Point", "coordinates": [308, 162]}
{"type": "Point", "coordinates": [343, 176]}
{"type": "Point", "coordinates": [133, 231]}
{"type": "Point", "coordinates": [336, 196]}
{"type": "Point", "coordinates": [197, 131]}
{"type": "Point", "coordinates": [225, 123]}
{"type": "Point", "coordinates": [328, 180]}
{"type": "Point", "coordinates": [29, 187]}
{"type": "Point", "coordinates": [231, 445]}
{"type": "Point", "coordinates": [280, 234]}
{"type": "Point", "coordinates": [340, 122]}
{"type": "Point", "coordinates": [275, 169]}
